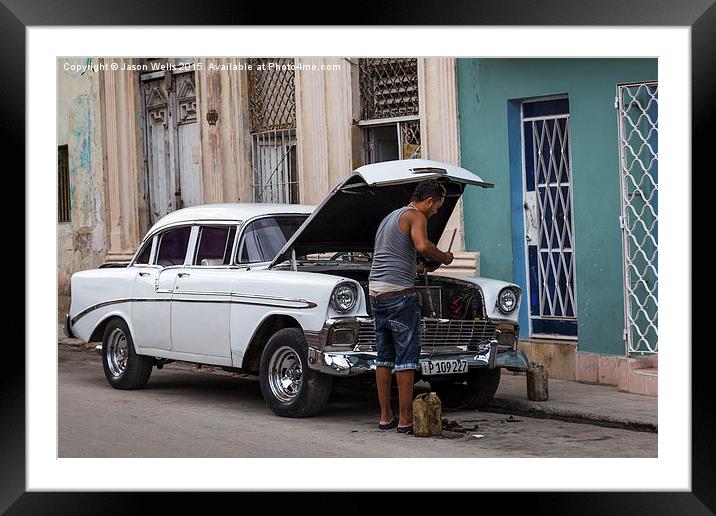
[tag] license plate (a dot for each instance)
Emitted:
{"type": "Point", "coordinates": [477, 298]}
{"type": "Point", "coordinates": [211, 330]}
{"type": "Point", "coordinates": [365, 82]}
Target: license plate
{"type": "Point", "coordinates": [443, 366]}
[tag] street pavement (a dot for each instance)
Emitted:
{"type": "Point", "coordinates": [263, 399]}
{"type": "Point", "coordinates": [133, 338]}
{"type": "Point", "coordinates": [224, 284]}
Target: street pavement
{"type": "Point", "coordinates": [184, 412]}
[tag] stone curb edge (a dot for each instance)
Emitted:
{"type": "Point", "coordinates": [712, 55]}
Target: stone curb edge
{"type": "Point", "coordinates": [536, 409]}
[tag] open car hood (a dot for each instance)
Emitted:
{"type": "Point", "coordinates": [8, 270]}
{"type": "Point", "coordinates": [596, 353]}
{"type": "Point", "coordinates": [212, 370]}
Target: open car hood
{"type": "Point", "coordinates": [348, 217]}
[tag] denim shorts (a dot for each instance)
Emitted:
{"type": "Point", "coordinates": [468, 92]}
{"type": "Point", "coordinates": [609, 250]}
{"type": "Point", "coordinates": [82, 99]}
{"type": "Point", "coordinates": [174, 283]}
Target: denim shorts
{"type": "Point", "coordinates": [397, 331]}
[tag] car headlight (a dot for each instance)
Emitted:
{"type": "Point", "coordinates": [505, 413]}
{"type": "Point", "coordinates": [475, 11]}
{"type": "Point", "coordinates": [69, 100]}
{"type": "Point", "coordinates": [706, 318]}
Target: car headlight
{"type": "Point", "coordinates": [507, 300]}
{"type": "Point", "coordinates": [344, 297]}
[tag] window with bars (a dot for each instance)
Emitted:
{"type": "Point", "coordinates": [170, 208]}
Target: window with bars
{"type": "Point", "coordinates": [389, 109]}
{"type": "Point", "coordinates": [272, 113]}
{"type": "Point", "coordinates": [388, 87]}
{"type": "Point", "coordinates": [63, 184]}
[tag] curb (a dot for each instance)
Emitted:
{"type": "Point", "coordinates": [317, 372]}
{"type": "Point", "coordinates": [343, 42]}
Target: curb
{"type": "Point", "coordinates": [546, 411]}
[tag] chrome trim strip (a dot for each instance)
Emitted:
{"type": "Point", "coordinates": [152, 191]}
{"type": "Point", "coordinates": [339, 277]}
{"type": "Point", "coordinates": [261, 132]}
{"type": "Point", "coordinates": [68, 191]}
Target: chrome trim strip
{"type": "Point", "coordinates": [100, 305]}
{"type": "Point", "coordinates": [204, 292]}
{"type": "Point", "coordinates": [233, 295]}
{"type": "Point", "coordinates": [261, 296]}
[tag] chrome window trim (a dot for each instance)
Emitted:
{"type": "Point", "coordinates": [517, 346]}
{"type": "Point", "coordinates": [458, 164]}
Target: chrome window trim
{"type": "Point", "coordinates": [191, 247]}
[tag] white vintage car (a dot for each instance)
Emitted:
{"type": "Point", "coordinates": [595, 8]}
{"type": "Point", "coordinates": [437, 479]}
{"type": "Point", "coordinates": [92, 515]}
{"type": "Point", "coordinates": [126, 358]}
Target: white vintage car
{"type": "Point", "coordinates": [281, 291]}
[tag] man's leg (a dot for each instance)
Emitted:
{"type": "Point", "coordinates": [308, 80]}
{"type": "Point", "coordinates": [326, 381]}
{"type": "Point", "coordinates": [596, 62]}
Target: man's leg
{"type": "Point", "coordinates": [405, 396]}
{"type": "Point", "coordinates": [382, 381]}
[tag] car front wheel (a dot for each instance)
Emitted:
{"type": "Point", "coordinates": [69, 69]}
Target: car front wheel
{"type": "Point", "coordinates": [475, 392]}
{"type": "Point", "coordinates": [289, 387]}
{"type": "Point", "coordinates": [123, 368]}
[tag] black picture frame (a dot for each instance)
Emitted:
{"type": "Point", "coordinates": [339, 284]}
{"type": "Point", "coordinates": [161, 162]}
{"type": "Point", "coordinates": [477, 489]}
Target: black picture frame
{"type": "Point", "coordinates": [700, 15]}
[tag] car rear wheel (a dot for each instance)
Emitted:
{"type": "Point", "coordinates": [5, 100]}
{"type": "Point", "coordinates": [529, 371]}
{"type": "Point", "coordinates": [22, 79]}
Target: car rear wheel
{"type": "Point", "coordinates": [289, 387]}
{"type": "Point", "coordinates": [476, 391]}
{"type": "Point", "coordinates": [123, 368]}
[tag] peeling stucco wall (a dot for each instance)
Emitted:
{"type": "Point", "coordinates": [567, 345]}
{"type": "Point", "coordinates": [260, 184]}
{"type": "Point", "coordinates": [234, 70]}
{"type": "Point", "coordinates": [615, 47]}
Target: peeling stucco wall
{"type": "Point", "coordinates": [81, 243]}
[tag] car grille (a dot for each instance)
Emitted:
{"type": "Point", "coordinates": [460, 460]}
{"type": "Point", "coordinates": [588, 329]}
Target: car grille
{"type": "Point", "coordinates": [438, 333]}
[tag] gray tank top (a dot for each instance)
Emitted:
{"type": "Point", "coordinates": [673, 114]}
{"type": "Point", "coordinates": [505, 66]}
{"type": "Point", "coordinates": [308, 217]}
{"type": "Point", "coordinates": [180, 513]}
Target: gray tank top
{"type": "Point", "coordinates": [394, 254]}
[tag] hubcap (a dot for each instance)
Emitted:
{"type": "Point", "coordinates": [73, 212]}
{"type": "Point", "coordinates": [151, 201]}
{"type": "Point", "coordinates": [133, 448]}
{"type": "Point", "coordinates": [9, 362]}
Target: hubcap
{"type": "Point", "coordinates": [117, 352]}
{"type": "Point", "coordinates": [285, 374]}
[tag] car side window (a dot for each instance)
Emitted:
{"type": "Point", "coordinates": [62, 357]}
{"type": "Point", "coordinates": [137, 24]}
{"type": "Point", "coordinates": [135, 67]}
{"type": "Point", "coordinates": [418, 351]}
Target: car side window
{"type": "Point", "coordinates": [215, 243]}
{"type": "Point", "coordinates": [173, 246]}
{"type": "Point", "coordinates": [145, 254]}
{"type": "Point", "coordinates": [263, 238]}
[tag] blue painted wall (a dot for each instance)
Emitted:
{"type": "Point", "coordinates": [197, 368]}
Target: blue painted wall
{"type": "Point", "coordinates": [489, 92]}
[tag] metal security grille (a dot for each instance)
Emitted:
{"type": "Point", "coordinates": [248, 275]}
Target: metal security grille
{"type": "Point", "coordinates": [273, 159]}
{"type": "Point", "coordinates": [639, 157]}
{"type": "Point", "coordinates": [272, 94]}
{"type": "Point", "coordinates": [410, 139]}
{"type": "Point", "coordinates": [63, 184]}
{"type": "Point", "coordinates": [553, 172]}
{"type": "Point", "coordinates": [272, 111]}
{"type": "Point", "coordinates": [388, 87]}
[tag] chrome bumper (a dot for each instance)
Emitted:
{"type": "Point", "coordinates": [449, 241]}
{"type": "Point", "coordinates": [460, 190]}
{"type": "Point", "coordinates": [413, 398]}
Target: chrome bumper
{"type": "Point", "coordinates": [68, 326]}
{"type": "Point", "coordinates": [352, 363]}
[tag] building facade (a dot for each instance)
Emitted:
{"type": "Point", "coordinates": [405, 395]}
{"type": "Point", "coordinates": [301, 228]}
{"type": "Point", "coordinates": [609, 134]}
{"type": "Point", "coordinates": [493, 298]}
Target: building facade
{"type": "Point", "coordinates": [140, 138]}
{"type": "Point", "coordinates": [572, 147]}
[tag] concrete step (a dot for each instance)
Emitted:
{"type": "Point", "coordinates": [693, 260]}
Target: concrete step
{"type": "Point", "coordinates": [643, 381]}
{"type": "Point", "coordinates": [640, 363]}
{"type": "Point", "coordinates": [649, 371]}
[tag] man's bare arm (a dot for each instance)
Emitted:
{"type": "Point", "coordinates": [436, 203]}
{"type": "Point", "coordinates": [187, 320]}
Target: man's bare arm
{"type": "Point", "coordinates": [419, 233]}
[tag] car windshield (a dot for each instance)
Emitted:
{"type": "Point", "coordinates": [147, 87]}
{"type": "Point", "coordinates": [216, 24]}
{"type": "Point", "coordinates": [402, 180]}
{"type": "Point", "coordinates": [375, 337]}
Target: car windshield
{"type": "Point", "coordinates": [264, 238]}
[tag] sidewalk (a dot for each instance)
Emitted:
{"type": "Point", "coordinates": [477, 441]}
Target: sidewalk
{"type": "Point", "coordinates": [581, 402]}
{"type": "Point", "coordinates": [597, 404]}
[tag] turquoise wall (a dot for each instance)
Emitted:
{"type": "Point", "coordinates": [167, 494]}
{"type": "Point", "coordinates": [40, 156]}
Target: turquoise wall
{"type": "Point", "coordinates": [486, 88]}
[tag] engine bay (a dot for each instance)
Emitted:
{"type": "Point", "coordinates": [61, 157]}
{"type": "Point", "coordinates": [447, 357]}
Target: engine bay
{"type": "Point", "coordinates": [449, 298]}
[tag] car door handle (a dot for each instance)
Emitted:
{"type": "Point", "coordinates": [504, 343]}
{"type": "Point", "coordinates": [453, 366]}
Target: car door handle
{"type": "Point", "coordinates": [143, 274]}
{"type": "Point", "coordinates": [182, 274]}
